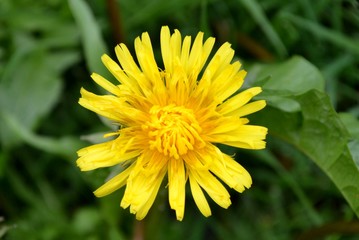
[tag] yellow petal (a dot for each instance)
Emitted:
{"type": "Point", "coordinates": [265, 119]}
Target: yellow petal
{"type": "Point", "coordinates": [239, 173]}
{"type": "Point", "coordinates": [106, 84]}
{"type": "Point", "coordinates": [143, 182]}
{"type": "Point", "coordinates": [131, 69]}
{"type": "Point", "coordinates": [249, 108]}
{"type": "Point", "coordinates": [176, 42]}
{"type": "Point", "coordinates": [166, 48]}
{"type": "Point", "coordinates": [206, 50]}
{"type": "Point", "coordinates": [195, 56]}
{"type": "Point", "coordinates": [229, 171]}
{"type": "Point", "coordinates": [185, 51]}
{"type": "Point", "coordinates": [176, 186]}
{"type": "Point", "coordinates": [147, 60]}
{"type": "Point", "coordinates": [143, 210]}
{"type": "Point", "coordinates": [114, 183]}
{"type": "Point", "coordinates": [120, 75]}
{"type": "Point", "coordinates": [199, 197]}
{"type": "Point", "coordinates": [213, 187]}
{"type": "Point", "coordinates": [104, 155]}
{"type": "Point", "coordinates": [221, 59]}
{"type": "Point", "coordinates": [230, 86]}
{"type": "Point", "coordinates": [104, 159]}
{"type": "Point", "coordinates": [102, 105]}
{"type": "Point", "coordinates": [226, 124]}
{"type": "Point", "coordinates": [114, 108]}
{"type": "Point", "coordinates": [126, 60]}
{"type": "Point", "coordinates": [247, 136]}
{"type": "Point", "coordinates": [193, 162]}
{"type": "Point", "coordinates": [238, 100]}
{"type": "Point", "coordinates": [193, 71]}
{"type": "Point", "coordinates": [222, 82]}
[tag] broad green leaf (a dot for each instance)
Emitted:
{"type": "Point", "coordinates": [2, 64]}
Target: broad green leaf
{"type": "Point", "coordinates": [292, 77]}
{"type": "Point", "coordinates": [65, 35]}
{"type": "Point", "coordinates": [352, 125]}
{"type": "Point", "coordinates": [318, 132]}
{"type": "Point", "coordinates": [353, 146]}
{"type": "Point", "coordinates": [93, 43]}
{"type": "Point", "coordinates": [60, 61]}
{"type": "Point", "coordinates": [65, 146]}
{"type": "Point", "coordinates": [28, 94]}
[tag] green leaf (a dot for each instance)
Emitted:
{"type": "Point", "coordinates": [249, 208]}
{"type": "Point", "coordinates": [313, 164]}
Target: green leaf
{"type": "Point", "coordinates": [352, 125]}
{"type": "Point", "coordinates": [65, 146]}
{"type": "Point", "coordinates": [354, 150]}
{"type": "Point", "coordinates": [60, 61]}
{"type": "Point", "coordinates": [93, 43]}
{"type": "Point", "coordinates": [292, 77]}
{"type": "Point", "coordinates": [28, 94]}
{"type": "Point", "coordinates": [300, 113]}
{"type": "Point", "coordinates": [31, 93]}
{"type": "Point", "coordinates": [318, 132]}
{"type": "Point", "coordinates": [64, 35]}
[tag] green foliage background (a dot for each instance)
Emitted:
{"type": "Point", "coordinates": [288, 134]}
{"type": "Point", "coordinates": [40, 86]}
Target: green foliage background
{"type": "Point", "coordinates": [304, 54]}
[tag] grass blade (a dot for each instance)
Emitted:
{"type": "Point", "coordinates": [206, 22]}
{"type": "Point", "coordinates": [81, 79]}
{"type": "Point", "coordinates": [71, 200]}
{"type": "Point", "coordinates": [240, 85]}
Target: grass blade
{"type": "Point", "coordinates": [259, 16]}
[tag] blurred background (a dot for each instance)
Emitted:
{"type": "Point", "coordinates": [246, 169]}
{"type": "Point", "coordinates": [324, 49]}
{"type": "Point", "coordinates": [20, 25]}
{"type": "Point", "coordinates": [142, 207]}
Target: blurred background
{"type": "Point", "coordinates": [48, 49]}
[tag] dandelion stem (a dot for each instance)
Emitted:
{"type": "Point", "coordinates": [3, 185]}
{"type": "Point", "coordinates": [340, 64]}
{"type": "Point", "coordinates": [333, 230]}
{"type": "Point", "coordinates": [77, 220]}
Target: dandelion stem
{"type": "Point", "coordinates": [139, 230]}
{"type": "Point", "coordinates": [115, 21]}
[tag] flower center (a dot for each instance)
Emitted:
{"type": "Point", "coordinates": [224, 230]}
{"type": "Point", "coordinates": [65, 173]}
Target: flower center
{"type": "Point", "coordinates": [173, 130]}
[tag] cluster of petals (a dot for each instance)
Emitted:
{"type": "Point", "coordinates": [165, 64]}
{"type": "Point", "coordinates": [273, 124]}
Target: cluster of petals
{"type": "Point", "coordinates": [170, 119]}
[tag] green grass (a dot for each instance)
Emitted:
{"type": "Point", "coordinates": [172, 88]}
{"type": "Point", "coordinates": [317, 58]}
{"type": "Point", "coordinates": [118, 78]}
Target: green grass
{"type": "Point", "coordinates": [305, 184]}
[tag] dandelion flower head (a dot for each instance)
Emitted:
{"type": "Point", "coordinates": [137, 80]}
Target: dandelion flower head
{"type": "Point", "coordinates": [170, 119]}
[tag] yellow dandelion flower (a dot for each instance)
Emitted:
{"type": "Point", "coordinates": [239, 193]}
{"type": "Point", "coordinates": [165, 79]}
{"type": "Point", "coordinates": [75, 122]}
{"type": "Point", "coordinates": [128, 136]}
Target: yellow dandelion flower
{"type": "Point", "coordinates": [170, 121]}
